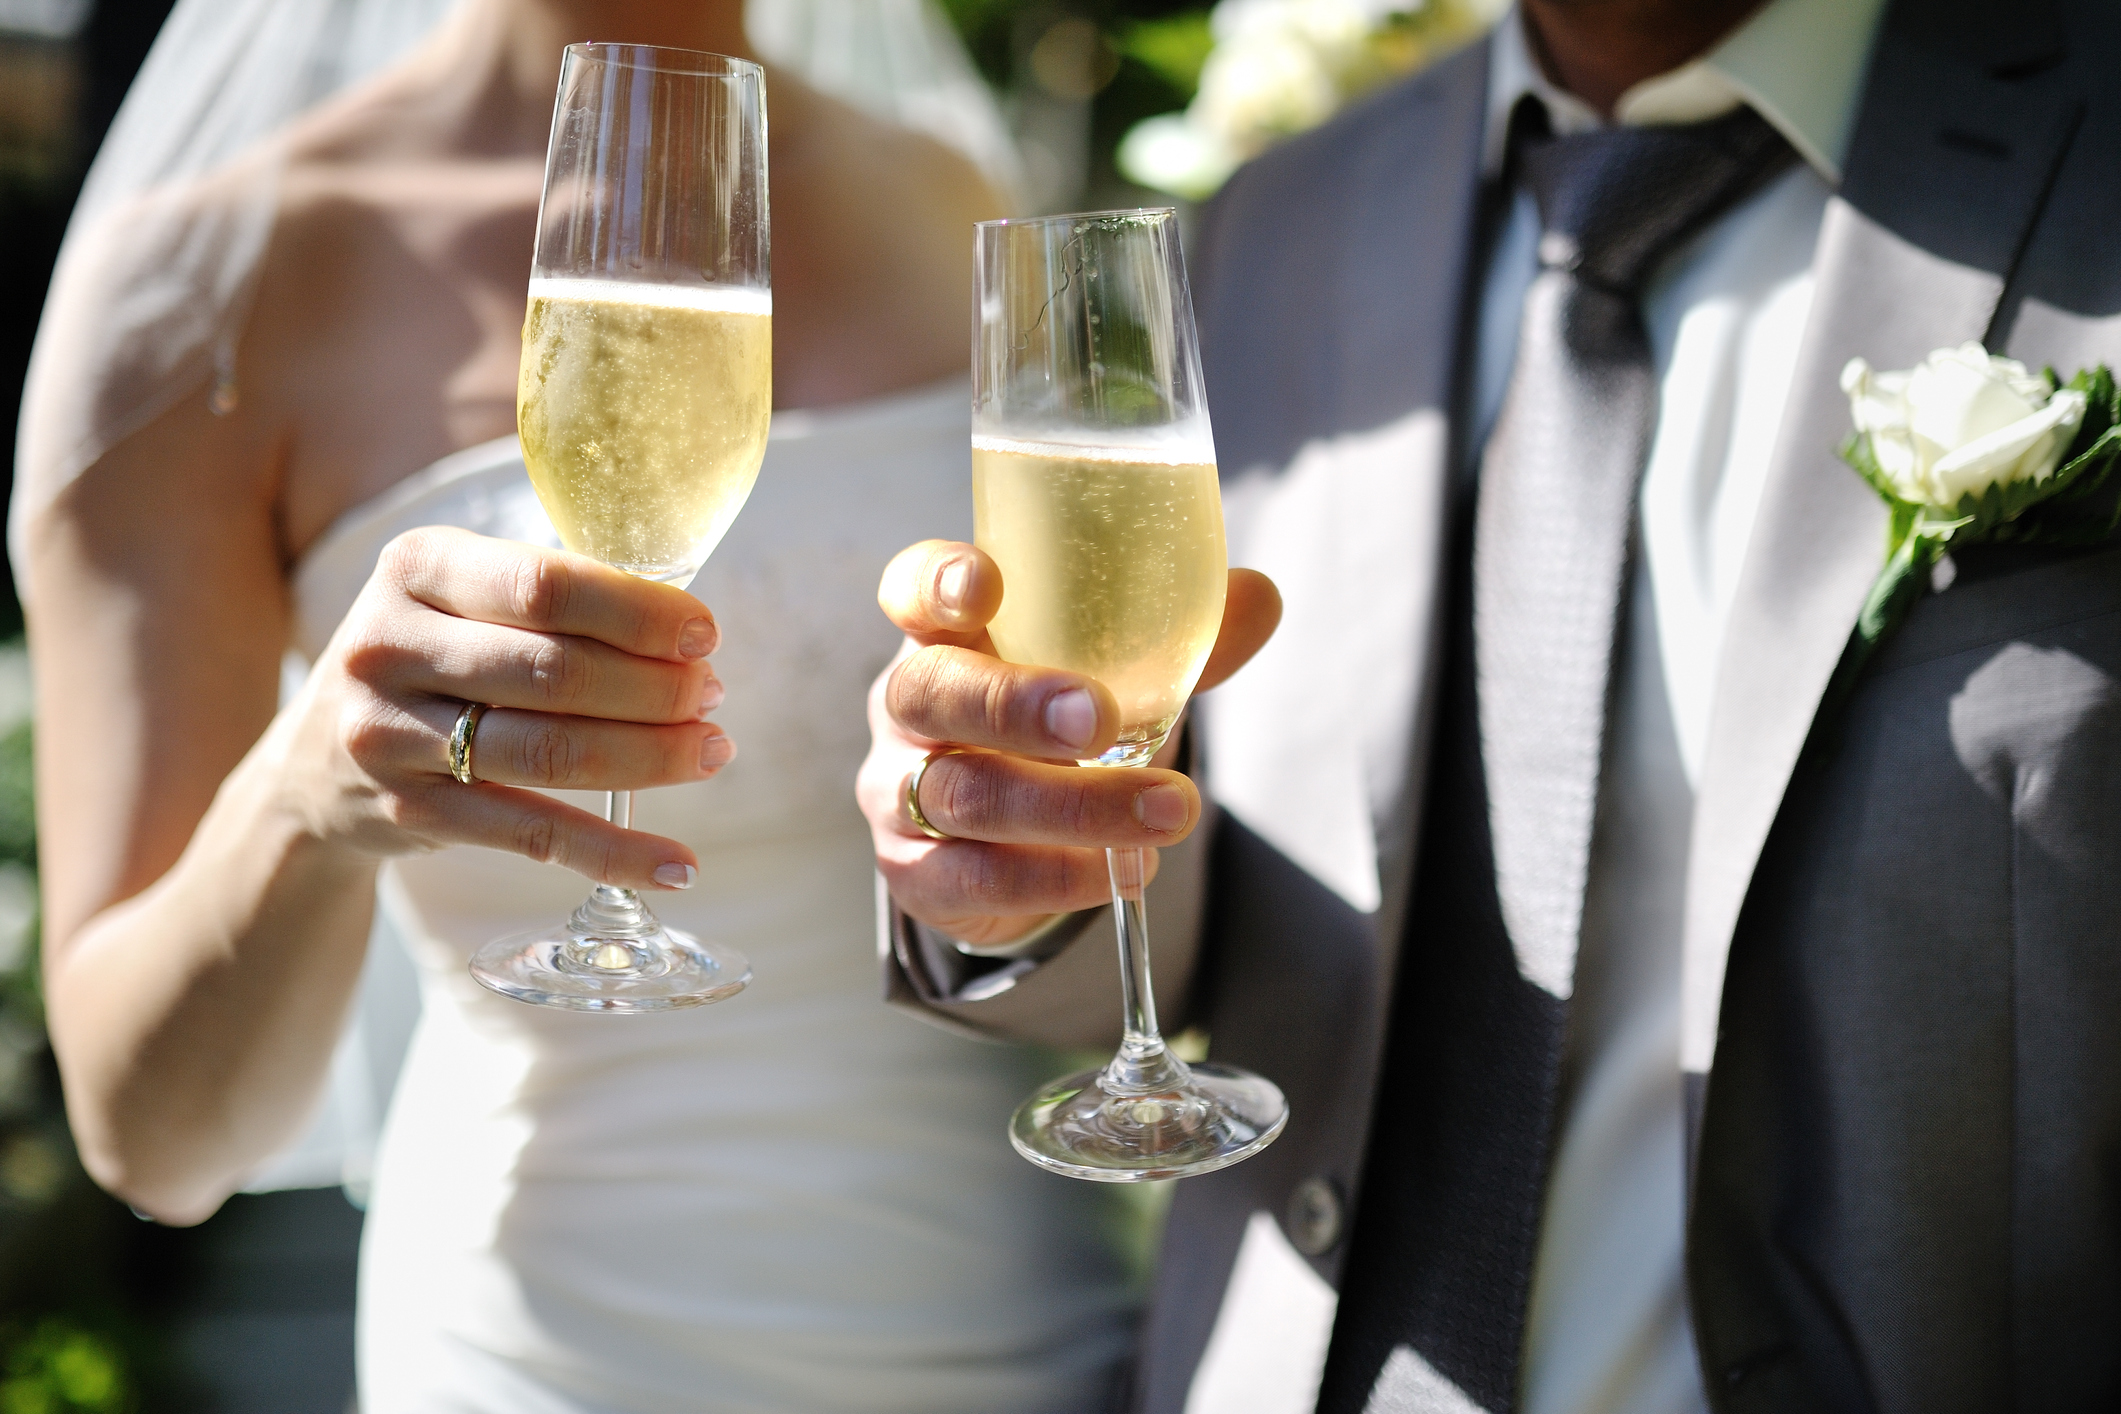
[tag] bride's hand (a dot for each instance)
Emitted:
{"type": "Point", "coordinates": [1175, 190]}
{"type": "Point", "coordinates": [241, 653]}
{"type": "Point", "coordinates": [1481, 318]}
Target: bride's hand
{"type": "Point", "coordinates": [595, 680]}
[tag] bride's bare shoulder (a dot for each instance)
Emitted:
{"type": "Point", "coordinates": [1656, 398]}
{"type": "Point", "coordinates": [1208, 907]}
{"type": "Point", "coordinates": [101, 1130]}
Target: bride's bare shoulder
{"type": "Point", "coordinates": [832, 155]}
{"type": "Point", "coordinates": [398, 152]}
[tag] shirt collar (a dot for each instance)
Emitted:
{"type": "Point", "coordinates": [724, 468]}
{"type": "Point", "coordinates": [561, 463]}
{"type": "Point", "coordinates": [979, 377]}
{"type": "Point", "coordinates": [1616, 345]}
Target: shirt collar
{"type": "Point", "coordinates": [1797, 63]}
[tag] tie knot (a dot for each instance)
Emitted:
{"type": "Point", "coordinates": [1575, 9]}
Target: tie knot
{"type": "Point", "coordinates": [1614, 201]}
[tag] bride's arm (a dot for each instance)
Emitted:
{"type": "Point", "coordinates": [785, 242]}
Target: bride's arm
{"type": "Point", "coordinates": [208, 863]}
{"type": "Point", "coordinates": [156, 612]}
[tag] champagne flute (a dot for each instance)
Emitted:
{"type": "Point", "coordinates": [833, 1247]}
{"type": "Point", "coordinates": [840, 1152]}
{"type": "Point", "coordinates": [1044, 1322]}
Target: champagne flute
{"type": "Point", "coordinates": [642, 401]}
{"type": "Point", "coordinates": [1094, 489]}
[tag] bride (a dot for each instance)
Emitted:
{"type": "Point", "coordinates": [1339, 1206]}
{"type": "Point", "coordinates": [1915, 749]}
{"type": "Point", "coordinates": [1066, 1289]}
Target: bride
{"type": "Point", "coordinates": [270, 411]}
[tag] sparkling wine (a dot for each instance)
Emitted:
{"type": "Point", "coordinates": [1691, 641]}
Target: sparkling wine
{"type": "Point", "coordinates": [1113, 565]}
{"type": "Point", "coordinates": [643, 413]}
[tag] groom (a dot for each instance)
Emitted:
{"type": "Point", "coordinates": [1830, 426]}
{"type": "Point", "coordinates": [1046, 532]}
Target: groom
{"type": "Point", "coordinates": [1651, 1041]}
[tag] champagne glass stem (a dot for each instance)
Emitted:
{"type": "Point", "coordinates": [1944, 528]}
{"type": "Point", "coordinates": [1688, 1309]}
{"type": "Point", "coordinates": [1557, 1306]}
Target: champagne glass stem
{"type": "Point", "coordinates": [610, 916]}
{"type": "Point", "coordinates": [1143, 1066]}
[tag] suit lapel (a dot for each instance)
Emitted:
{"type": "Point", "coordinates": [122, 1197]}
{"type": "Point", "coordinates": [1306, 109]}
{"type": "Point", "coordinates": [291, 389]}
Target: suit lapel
{"type": "Point", "coordinates": [1946, 175]}
{"type": "Point", "coordinates": [1341, 497]}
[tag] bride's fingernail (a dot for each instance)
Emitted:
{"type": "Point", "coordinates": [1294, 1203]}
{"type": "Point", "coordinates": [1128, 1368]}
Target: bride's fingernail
{"type": "Point", "coordinates": [676, 876]}
{"type": "Point", "coordinates": [697, 638]}
{"type": "Point", "coordinates": [716, 751]}
{"type": "Point", "coordinates": [950, 585]}
{"type": "Point", "coordinates": [711, 695]}
{"type": "Point", "coordinates": [1162, 808]}
{"type": "Point", "coordinates": [1071, 717]}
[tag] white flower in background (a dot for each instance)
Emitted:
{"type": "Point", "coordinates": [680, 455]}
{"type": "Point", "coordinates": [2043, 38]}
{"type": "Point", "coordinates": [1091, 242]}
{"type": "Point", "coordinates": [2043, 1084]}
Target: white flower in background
{"type": "Point", "coordinates": [1960, 422]}
{"type": "Point", "coordinates": [1170, 153]}
{"type": "Point", "coordinates": [1281, 66]}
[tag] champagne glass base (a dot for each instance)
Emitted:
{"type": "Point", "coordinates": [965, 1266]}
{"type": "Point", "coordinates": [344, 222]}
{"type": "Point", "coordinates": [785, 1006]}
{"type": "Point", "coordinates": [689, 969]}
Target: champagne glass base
{"type": "Point", "coordinates": [656, 969]}
{"type": "Point", "coordinates": [1219, 1115]}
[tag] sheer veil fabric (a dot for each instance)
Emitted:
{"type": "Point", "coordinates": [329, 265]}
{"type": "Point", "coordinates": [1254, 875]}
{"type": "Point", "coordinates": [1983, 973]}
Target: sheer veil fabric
{"type": "Point", "coordinates": [152, 284]}
{"type": "Point", "coordinates": [152, 287]}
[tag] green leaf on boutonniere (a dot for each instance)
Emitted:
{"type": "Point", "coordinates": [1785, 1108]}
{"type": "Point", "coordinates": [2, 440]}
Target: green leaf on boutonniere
{"type": "Point", "coordinates": [2084, 505]}
{"type": "Point", "coordinates": [1856, 451]}
{"type": "Point", "coordinates": [1908, 563]}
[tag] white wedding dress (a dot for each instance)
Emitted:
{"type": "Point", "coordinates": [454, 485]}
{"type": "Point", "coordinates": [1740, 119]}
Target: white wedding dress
{"type": "Point", "coordinates": [797, 1201]}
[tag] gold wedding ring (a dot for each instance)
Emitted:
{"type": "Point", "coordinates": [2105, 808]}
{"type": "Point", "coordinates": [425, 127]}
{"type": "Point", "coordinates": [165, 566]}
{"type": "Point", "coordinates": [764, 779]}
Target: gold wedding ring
{"type": "Point", "coordinates": [913, 793]}
{"type": "Point", "coordinates": [460, 737]}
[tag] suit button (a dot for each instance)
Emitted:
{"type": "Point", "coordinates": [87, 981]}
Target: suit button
{"type": "Point", "coordinates": [1316, 1216]}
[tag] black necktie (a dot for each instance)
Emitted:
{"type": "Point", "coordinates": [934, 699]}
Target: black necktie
{"type": "Point", "coordinates": [1440, 1257]}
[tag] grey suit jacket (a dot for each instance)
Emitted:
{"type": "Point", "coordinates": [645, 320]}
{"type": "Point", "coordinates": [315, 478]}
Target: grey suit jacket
{"type": "Point", "coordinates": [1908, 1185]}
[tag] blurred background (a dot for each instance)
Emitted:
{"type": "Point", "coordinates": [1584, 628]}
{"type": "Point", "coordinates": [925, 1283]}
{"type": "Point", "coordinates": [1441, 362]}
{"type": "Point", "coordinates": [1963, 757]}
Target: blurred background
{"type": "Point", "coordinates": [1108, 103]}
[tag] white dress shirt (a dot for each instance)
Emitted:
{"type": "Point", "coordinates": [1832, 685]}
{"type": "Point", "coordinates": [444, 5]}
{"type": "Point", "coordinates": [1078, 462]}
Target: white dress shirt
{"type": "Point", "coordinates": [1608, 1330]}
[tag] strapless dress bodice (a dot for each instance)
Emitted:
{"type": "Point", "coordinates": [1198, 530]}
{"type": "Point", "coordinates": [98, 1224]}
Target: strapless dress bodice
{"type": "Point", "coordinates": [796, 1200]}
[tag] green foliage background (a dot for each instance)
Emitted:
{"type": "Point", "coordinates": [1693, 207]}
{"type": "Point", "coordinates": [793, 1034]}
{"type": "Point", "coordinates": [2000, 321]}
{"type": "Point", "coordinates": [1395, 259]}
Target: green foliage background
{"type": "Point", "coordinates": [1154, 50]}
{"type": "Point", "coordinates": [78, 1333]}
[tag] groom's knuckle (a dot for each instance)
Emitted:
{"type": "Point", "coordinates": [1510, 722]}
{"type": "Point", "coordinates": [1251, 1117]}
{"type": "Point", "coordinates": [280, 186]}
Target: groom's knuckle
{"type": "Point", "coordinates": [971, 798]}
{"type": "Point", "coordinates": [999, 711]}
{"type": "Point", "coordinates": [1070, 804]}
{"type": "Point", "coordinates": [916, 694]}
{"type": "Point", "coordinates": [902, 689]}
{"type": "Point", "coordinates": [953, 873]}
{"type": "Point", "coordinates": [986, 878]}
{"type": "Point", "coordinates": [951, 696]}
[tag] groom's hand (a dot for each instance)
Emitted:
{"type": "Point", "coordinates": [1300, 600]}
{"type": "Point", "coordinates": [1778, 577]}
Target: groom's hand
{"type": "Point", "coordinates": [1027, 827]}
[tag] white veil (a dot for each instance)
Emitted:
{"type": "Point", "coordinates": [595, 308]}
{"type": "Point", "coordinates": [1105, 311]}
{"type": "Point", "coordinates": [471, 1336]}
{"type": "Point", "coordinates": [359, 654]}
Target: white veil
{"type": "Point", "coordinates": [895, 59]}
{"type": "Point", "coordinates": [152, 285]}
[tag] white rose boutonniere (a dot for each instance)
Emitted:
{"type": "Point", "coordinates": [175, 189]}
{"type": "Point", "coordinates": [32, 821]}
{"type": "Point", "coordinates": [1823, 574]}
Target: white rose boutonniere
{"type": "Point", "coordinates": [1964, 421]}
{"type": "Point", "coordinates": [1967, 449]}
